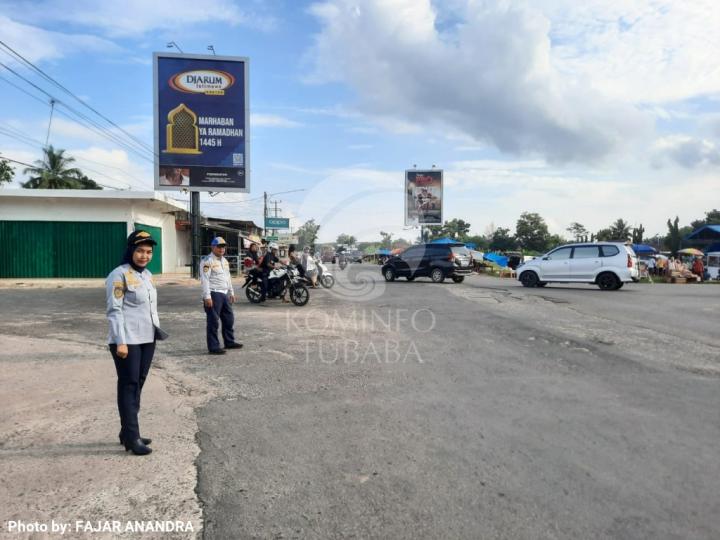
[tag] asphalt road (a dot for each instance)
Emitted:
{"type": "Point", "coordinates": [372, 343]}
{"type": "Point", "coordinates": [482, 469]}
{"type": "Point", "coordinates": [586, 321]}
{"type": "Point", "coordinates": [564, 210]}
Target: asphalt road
{"type": "Point", "coordinates": [420, 410]}
{"type": "Point", "coordinates": [480, 410]}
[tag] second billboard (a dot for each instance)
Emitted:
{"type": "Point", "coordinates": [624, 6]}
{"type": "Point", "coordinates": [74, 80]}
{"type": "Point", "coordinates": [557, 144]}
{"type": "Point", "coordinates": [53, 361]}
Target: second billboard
{"type": "Point", "coordinates": [423, 197]}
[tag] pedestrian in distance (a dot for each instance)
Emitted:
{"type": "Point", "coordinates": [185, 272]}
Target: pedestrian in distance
{"type": "Point", "coordinates": [218, 297]}
{"type": "Point", "coordinates": [134, 327]}
{"type": "Point", "coordinates": [308, 263]}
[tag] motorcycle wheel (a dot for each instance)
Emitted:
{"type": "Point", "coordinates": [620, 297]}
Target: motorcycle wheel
{"type": "Point", "coordinates": [254, 293]}
{"type": "Point", "coordinates": [299, 295]}
{"type": "Point", "coordinates": [327, 281]}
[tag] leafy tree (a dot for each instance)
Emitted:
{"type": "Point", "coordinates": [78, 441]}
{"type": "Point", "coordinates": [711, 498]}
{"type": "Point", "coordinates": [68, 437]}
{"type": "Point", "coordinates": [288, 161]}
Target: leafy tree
{"type": "Point", "coordinates": [502, 240]}
{"type": "Point", "coordinates": [386, 241]}
{"type": "Point", "coordinates": [531, 232]}
{"type": "Point", "coordinates": [673, 240]}
{"type": "Point", "coordinates": [578, 232]}
{"type": "Point", "coordinates": [457, 229]}
{"type": "Point", "coordinates": [555, 240]}
{"type": "Point", "coordinates": [637, 234]}
{"type": "Point", "coordinates": [711, 218]}
{"type": "Point", "coordinates": [307, 234]}
{"type": "Point", "coordinates": [620, 230]}
{"type": "Point", "coordinates": [84, 182]}
{"type": "Point", "coordinates": [346, 239]}
{"type": "Point", "coordinates": [6, 172]}
{"type": "Point", "coordinates": [53, 171]}
{"type": "Point", "coordinates": [479, 240]}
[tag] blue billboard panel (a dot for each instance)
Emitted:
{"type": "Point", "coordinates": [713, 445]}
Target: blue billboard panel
{"type": "Point", "coordinates": [277, 223]}
{"type": "Point", "coordinates": [201, 121]}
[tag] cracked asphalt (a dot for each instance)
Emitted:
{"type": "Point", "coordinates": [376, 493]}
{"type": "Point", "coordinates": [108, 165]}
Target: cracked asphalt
{"type": "Point", "coordinates": [420, 410]}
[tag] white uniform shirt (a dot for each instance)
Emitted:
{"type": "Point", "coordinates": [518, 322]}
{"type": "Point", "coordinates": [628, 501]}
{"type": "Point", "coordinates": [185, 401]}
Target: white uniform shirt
{"type": "Point", "coordinates": [215, 275]}
{"type": "Point", "coordinates": [131, 306]}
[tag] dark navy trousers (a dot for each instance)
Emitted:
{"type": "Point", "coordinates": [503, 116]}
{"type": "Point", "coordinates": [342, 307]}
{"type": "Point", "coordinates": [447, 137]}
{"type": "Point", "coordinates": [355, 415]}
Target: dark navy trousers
{"type": "Point", "coordinates": [220, 312]}
{"type": "Point", "coordinates": [131, 373]}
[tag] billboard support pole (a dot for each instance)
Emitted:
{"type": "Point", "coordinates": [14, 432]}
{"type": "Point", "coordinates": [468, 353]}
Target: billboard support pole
{"type": "Point", "coordinates": [195, 232]}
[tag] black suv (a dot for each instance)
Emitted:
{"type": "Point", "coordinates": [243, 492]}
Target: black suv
{"type": "Point", "coordinates": [436, 261]}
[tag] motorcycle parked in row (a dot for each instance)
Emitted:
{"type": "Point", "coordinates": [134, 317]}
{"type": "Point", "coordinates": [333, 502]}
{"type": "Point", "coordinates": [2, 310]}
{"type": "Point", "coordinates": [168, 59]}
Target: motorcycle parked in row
{"type": "Point", "coordinates": [281, 281]}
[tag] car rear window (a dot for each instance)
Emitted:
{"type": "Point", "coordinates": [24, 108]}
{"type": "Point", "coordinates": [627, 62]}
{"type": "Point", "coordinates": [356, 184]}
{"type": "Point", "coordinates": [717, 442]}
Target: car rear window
{"type": "Point", "coordinates": [609, 251]}
{"type": "Point", "coordinates": [460, 250]}
{"type": "Point", "coordinates": [586, 252]}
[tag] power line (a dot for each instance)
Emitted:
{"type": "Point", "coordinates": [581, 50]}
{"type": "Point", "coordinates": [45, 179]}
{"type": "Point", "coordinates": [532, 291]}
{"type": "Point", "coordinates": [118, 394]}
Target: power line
{"type": "Point", "coordinates": [97, 128]}
{"type": "Point", "coordinates": [64, 89]}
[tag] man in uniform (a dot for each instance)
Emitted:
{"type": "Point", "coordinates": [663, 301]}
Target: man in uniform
{"type": "Point", "coordinates": [218, 297]}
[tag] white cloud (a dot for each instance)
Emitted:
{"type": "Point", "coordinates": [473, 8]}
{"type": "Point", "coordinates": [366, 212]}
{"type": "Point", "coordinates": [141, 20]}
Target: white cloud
{"type": "Point", "coordinates": [492, 77]}
{"type": "Point", "coordinates": [271, 120]}
{"type": "Point", "coordinates": [137, 17]}
{"type": "Point", "coordinates": [37, 44]}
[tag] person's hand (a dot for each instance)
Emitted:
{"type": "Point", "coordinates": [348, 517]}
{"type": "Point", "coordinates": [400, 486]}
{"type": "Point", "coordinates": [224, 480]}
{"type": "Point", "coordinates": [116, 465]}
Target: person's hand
{"type": "Point", "coordinates": [122, 351]}
{"type": "Point", "coordinates": [232, 298]}
{"type": "Point", "coordinates": [208, 302]}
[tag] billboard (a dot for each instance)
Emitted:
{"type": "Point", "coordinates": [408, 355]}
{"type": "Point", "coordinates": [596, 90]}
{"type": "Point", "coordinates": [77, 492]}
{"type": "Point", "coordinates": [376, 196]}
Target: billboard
{"type": "Point", "coordinates": [423, 197]}
{"type": "Point", "coordinates": [201, 122]}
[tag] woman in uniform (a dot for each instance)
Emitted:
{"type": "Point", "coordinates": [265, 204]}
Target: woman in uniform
{"type": "Point", "coordinates": [132, 316]}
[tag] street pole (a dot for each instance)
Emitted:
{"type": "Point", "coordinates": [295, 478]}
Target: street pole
{"type": "Point", "coordinates": [264, 212]}
{"type": "Point", "coordinates": [195, 232]}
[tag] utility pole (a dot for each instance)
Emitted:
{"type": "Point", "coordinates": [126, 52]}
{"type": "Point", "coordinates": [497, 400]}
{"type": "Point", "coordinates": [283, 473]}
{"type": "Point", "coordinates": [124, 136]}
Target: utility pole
{"type": "Point", "coordinates": [265, 201]}
{"type": "Point", "coordinates": [52, 109]}
{"type": "Point", "coordinates": [276, 214]}
{"type": "Point", "coordinates": [195, 232]}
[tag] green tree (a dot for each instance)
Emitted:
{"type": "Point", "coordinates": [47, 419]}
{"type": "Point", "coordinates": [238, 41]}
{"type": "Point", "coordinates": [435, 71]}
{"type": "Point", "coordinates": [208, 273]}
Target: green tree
{"type": "Point", "coordinates": [386, 241]}
{"type": "Point", "coordinates": [531, 232]}
{"type": "Point", "coordinates": [346, 239]}
{"type": "Point", "coordinates": [637, 234]}
{"type": "Point", "coordinates": [83, 182]}
{"type": "Point", "coordinates": [578, 231]}
{"type": "Point", "coordinates": [457, 229]}
{"type": "Point", "coordinates": [502, 240]}
{"type": "Point", "coordinates": [479, 240]}
{"type": "Point", "coordinates": [6, 172]}
{"type": "Point", "coordinates": [307, 234]}
{"type": "Point", "coordinates": [555, 240]}
{"type": "Point", "coordinates": [711, 218]}
{"type": "Point", "coordinates": [673, 240]}
{"type": "Point", "coordinates": [619, 231]}
{"type": "Point", "coordinates": [53, 171]}
{"type": "Point", "coordinates": [400, 243]}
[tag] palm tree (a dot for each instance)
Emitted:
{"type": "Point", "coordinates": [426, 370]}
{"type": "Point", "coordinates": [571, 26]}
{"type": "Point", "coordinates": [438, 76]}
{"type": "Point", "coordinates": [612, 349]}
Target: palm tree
{"type": "Point", "coordinates": [53, 172]}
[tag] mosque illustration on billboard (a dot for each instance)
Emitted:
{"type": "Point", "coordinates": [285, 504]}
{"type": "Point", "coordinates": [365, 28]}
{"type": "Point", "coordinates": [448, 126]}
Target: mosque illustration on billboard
{"type": "Point", "coordinates": [182, 132]}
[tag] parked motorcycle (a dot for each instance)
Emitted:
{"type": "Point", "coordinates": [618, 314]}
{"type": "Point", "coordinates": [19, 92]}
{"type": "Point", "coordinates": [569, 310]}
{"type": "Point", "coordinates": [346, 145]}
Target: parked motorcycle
{"type": "Point", "coordinates": [280, 281]}
{"type": "Point", "coordinates": [325, 278]}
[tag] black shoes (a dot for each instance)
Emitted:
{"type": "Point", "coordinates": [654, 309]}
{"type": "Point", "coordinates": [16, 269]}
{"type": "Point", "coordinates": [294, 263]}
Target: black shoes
{"type": "Point", "coordinates": [137, 447]}
{"type": "Point", "coordinates": [143, 439]}
{"type": "Point", "coordinates": [218, 351]}
{"type": "Point", "coordinates": [234, 346]}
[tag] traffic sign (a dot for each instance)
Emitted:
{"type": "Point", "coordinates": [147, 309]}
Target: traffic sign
{"type": "Point", "coordinates": [277, 223]}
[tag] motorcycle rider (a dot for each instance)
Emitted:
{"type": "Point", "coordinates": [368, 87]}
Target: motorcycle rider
{"type": "Point", "coordinates": [267, 265]}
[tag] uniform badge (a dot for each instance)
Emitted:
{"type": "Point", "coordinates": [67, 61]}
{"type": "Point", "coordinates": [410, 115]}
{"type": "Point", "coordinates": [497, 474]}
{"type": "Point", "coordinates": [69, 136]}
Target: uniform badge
{"type": "Point", "coordinates": [206, 267]}
{"type": "Point", "coordinates": [118, 292]}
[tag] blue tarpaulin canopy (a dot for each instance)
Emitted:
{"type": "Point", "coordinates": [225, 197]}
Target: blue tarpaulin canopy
{"type": "Point", "coordinates": [644, 249]}
{"type": "Point", "coordinates": [471, 245]}
{"type": "Point", "coordinates": [500, 260]}
{"type": "Point", "coordinates": [383, 251]}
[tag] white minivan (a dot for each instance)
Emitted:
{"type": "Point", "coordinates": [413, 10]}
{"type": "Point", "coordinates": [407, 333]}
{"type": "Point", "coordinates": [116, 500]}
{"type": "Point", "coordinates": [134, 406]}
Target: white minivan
{"type": "Point", "coordinates": [609, 265]}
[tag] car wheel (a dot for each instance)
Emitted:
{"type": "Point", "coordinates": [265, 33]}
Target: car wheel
{"type": "Point", "coordinates": [437, 275]}
{"type": "Point", "coordinates": [389, 274]}
{"type": "Point", "coordinates": [607, 281]}
{"type": "Point", "coordinates": [619, 285]}
{"type": "Point", "coordinates": [458, 279]}
{"type": "Point", "coordinates": [541, 283]}
{"type": "Point", "coordinates": [529, 279]}
{"type": "Point", "coordinates": [411, 278]}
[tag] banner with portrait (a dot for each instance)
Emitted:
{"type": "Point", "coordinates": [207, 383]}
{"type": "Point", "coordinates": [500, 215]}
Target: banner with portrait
{"type": "Point", "coordinates": [423, 197]}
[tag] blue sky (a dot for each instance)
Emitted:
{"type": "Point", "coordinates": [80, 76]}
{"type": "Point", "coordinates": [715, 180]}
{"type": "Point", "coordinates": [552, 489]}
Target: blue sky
{"type": "Point", "coordinates": [579, 111]}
